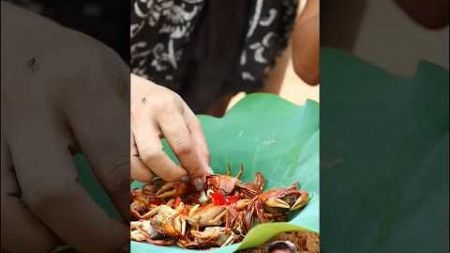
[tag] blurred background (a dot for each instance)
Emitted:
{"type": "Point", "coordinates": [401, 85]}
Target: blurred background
{"type": "Point", "coordinates": [386, 17]}
{"type": "Point", "coordinates": [293, 88]}
{"type": "Point", "coordinates": [376, 17]}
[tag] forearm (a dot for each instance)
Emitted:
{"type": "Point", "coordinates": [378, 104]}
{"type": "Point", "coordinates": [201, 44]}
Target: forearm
{"type": "Point", "coordinates": [305, 44]}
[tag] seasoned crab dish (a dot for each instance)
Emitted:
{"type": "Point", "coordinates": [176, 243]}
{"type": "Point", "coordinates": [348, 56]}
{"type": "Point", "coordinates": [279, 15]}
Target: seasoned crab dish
{"type": "Point", "coordinates": [173, 213]}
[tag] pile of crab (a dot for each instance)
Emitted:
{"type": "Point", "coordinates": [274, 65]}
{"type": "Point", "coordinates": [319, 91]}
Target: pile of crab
{"type": "Point", "coordinates": [174, 213]}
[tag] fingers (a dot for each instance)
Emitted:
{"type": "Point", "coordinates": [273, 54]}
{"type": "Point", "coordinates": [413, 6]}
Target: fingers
{"type": "Point", "coordinates": [139, 171]}
{"type": "Point", "coordinates": [158, 111]}
{"type": "Point", "coordinates": [17, 220]}
{"type": "Point", "coordinates": [185, 147]}
{"type": "Point", "coordinates": [152, 154]}
{"type": "Point", "coordinates": [99, 121]}
{"type": "Point", "coordinates": [199, 140]}
{"type": "Point", "coordinates": [179, 138]}
{"type": "Point", "coordinates": [19, 223]}
{"type": "Point", "coordinates": [48, 180]}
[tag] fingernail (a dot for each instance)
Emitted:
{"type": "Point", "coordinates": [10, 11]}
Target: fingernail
{"type": "Point", "coordinates": [184, 178]}
{"type": "Point", "coordinates": [198, 184]}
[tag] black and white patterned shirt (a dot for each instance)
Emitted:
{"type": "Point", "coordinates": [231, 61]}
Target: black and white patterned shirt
{"type": "Point", "coordinates": [213, 46]}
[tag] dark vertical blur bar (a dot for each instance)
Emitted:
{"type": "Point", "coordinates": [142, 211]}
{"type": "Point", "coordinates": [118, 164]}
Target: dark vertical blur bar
{"type": "Point", "coordinates": [384, 126]}
{"type": "Point", "coordinates": [65, 126]}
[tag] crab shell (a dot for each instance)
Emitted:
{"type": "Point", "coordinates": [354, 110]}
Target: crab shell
{"type": "Point", "coordinates": [172, 189]}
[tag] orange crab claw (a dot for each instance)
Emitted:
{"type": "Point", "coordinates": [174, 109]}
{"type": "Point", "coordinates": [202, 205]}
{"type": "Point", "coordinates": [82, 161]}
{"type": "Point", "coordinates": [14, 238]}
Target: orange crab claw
{"type": "Point", "coordinates": [301, 201]}
{"type": "Point", "coordinates": [276, 202]}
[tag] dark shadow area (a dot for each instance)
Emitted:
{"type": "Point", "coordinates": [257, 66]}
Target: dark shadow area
{"type": "Point", "coordinates": [340, 22]}
{"type": "Point", "coordinates": [65, 89]}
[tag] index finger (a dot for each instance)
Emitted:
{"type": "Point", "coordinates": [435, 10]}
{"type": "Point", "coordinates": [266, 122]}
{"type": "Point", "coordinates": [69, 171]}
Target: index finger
{"type": "Point", "coordinates": [174, 128]}
{"type": "Point", "coordinates": [151, 152]}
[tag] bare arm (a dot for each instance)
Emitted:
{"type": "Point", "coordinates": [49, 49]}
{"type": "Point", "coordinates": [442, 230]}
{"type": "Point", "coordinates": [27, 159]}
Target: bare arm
{"type": "Point", "coordinates": [305, 43]}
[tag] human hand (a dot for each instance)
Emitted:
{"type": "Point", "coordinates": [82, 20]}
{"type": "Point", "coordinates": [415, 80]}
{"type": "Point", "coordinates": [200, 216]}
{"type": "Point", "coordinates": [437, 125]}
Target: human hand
{"type": "Point", "coordinates": [60, 97]}
{"type": "Point", "coordinates": [159, 112]}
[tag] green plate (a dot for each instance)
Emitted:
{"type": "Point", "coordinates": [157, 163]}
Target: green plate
{"type": "Point", "coordinates": [271, 135]}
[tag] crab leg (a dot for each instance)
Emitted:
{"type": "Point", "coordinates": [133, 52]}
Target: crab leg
{"type": "Point", "coordinates": [227, 220]}
{"type": "Point", "coordinates": [183, 226]}
{"type": "Point", "coordinates": [241, 170]}
{"type": "Point", "coordinates": [228, 241]}
{"type": "Point", "coordinates": [247, 192]}
{"type": "Point", "coordinates": [193, 210]}
{"type": "Point", "coordinates": [259, 181]}
{"type": "Point", "coordinates": [228, 169]}
{"type": "Point", "coordinates": [242, 203]}
{"type": "Point", "coordinates": [177, 224]}
{"type": "Point", "coordinates": [151, 213]}
{"type": "Point", "coordinates": [135, 213]}
{"type": "Point", "coordinates": [260, 214]}
{"type": "Point", "coordinates": [218, 217]}
{"type": "Point", "coordinates": [167, 190]}
{"type": "Point", "coordinates": [178, 210]}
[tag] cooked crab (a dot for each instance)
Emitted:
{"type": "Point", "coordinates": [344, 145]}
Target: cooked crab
{"type": "Point", "coordinates": [169, 213]}
{"type": "Point", "coordinates": [275, 203]}
{"type": "Point", "coordinates": [226, 184]}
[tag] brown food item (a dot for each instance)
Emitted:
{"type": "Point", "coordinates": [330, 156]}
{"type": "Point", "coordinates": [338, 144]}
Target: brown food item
{"type": "Point", "coordinates": [172, 213]}
{"type": "Point", "coordinates": [306, 242]}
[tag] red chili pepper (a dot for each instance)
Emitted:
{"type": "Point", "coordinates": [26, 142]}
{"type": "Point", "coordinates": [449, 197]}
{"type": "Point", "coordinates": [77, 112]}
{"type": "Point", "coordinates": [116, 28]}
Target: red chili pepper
{"type": "Point", "coordinates": [218, 199]}
{"type": "Point", "coordinates": [177, 202]}
{"type": "Point", "coordinates": [232, 199]}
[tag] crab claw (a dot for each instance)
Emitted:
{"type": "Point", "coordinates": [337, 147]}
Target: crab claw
{"type": "Point", "coordinates": [301, 201]}
{"type": "Point", "coordinates": [180, 225]}
{"type": "Point", "coordinates": [151, 213]}
{"type": "Point", "coordinates": [172, 189]}
{"type": "Point", "coordinates": [276, 202]}
{"type": "Point", "coordinates": [229, 240]}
